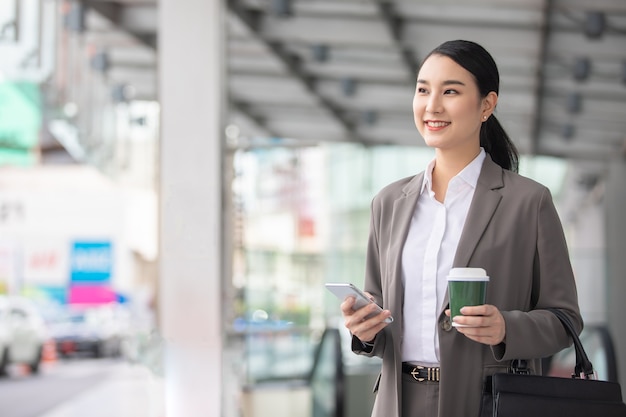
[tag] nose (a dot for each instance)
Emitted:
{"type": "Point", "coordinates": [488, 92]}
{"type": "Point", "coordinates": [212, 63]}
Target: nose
{"type": "Point", "coordinates": [433, 106]}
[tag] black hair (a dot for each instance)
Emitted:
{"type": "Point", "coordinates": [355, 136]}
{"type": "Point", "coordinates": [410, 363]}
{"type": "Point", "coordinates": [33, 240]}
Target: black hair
{"type": "Point", "coordinates": [475, 59]}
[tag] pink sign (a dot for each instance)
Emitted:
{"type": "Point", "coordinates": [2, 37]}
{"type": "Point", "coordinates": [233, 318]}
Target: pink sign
{"type": "Point", "coordinates": [91, 294]}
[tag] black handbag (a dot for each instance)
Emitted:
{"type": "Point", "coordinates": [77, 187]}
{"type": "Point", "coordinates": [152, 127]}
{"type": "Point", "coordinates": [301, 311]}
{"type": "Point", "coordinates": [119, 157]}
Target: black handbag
{"type": "Point", "coordinates": [519, 394]}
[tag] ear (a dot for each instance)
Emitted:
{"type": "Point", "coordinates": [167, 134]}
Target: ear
{"type": "Point", "coordinates": [489, 104]}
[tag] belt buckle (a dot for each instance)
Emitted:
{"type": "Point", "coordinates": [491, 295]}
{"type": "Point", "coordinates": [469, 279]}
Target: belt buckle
{"type": "Point", "coordinates": [432, 374]}
{"type": "Point", "coordinates": [415, 372]}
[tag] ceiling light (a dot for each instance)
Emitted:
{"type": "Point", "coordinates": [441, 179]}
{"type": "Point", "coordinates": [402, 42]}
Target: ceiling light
{"type": "Point", "coordinates": [568, 131]}
{"type": "Point", "coordinates": [595, 24]}
{"type": "Point", "coordinates": [574, 103]}
{"type": "Point", "coordinates": [122, 93]}
{"type": "Point", "coordinates": [370, 117]}
{"type": "Point", "coordinates": [100, 61]}
{"type": "Point", "coordinates": [582, 68]}
{"type": "Point", "coordinates": [348, 86]}
{"type": "Point", "coordinates": [320, 52]}
{"type": "Point", "coordinates": [281, 8]}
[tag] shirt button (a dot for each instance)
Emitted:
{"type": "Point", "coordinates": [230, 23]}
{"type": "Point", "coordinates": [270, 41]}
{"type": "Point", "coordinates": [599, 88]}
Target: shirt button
{"type": "Point", "coordinates": [446, 325]}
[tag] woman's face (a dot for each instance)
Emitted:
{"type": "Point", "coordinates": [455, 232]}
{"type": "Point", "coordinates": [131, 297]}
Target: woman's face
{"type": "Point", "coordinates": [447, 106]}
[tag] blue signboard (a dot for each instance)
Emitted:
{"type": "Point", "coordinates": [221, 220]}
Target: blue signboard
{"type": "Point", "coordinates": [91, 262]}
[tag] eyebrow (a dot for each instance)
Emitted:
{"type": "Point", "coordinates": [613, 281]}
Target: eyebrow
{"type": "Point", "coordinates": [447, 82]}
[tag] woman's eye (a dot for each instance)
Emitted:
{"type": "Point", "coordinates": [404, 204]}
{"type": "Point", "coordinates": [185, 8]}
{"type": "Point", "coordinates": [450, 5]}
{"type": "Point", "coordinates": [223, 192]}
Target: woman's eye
{"type": "Point", "coordinates": [421, 90]}
{"type": "Point", "coordinates": [450, 91]}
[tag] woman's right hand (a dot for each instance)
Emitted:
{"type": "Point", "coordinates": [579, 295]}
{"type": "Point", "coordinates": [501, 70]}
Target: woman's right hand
{"type": "Point", "coordinates": [365, 329]}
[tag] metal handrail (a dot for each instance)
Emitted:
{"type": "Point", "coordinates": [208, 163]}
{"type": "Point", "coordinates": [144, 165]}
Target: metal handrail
{"type": "Point", "coordinates": [607, 347]}
{"type": "Point", "coordinates": [330, 335]}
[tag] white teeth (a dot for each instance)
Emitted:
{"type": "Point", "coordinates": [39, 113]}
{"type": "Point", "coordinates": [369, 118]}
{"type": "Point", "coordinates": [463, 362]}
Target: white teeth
{"type": "Point", "coordinates": [437, 124]}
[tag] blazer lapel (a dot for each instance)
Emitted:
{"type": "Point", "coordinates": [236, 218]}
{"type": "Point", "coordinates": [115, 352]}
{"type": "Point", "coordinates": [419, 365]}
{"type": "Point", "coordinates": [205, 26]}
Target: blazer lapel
{"type": "Point", "coordinates": [484, 204]}
{"type": "Point", "coordinates": [403, 209]}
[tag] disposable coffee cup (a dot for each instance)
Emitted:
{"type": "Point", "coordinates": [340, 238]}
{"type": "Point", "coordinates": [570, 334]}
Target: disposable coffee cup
{"type": "Point", "coordinates": [466, 287]}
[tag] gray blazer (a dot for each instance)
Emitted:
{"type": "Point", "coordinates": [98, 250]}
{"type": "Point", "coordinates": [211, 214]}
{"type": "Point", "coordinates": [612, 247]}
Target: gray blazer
{"type": "Point", "coordinates": [513, 231]}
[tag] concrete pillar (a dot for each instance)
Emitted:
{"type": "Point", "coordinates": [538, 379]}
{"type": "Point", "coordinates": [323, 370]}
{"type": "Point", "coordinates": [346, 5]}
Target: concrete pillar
{"type": "Point", "coordinates": [616, 260]}
{"type": "Point", "coordinates": [191, 267]}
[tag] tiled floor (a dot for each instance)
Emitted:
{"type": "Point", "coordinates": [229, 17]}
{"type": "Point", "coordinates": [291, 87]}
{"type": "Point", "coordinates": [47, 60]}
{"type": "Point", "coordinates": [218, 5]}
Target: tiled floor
{"type": "Point", "coordinates": [132, 391]}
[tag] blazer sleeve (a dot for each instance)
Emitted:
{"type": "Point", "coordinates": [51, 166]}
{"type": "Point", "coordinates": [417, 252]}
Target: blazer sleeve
{"type": "Point", "coordinates": [538, 333]}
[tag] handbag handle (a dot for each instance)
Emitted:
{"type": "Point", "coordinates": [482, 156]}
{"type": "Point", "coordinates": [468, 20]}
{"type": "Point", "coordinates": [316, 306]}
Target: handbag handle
{"type": "Point", "coordinates": [584, 367]}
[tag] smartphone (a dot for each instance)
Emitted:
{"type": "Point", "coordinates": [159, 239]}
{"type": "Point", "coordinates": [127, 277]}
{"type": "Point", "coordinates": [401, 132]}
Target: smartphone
{"type": "Point", "coordinates": [343, 290]}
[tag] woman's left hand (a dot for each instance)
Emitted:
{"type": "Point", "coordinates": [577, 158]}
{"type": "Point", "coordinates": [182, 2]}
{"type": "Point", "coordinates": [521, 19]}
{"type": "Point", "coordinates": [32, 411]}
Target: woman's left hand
{"type": "Point", "coordinates": [485, 324]}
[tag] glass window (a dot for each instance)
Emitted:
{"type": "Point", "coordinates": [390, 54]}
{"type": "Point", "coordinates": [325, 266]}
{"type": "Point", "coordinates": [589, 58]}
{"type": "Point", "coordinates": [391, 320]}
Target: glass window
{"type": "Point", "coordinates": [302, 219]}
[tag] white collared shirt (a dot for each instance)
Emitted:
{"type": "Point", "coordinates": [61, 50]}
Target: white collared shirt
{"type": "Point", "coordinates": [427, 258]}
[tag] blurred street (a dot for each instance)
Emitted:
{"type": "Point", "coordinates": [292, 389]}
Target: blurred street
{"type": "Point", "coordinates": [82, 387]}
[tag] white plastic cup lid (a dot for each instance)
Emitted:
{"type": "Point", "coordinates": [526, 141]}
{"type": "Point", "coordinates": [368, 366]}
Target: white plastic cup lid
{"type": "Point", "coordinates": [468, 274]}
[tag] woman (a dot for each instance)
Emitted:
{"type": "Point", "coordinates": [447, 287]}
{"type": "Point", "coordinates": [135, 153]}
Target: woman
{"type": "Point", "coordinates": [467, 209]}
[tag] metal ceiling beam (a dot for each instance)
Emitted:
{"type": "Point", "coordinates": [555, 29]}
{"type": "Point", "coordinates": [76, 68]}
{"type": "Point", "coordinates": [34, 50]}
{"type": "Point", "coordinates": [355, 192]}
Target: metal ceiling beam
{"type": "Point", "coordinates": [116, 14]}
{"type": "Point", "coordinates": [544, 38]}
{"type": "Point", "coordinates": [261, 122]}
{"type": "Point", "coordinates": [537, 87]}
{"type": "Point", "coordinates": [395, 24]}
{"type": "Point", "coordinates": [293, 65]}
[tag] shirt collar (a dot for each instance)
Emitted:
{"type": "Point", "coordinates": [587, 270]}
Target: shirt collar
{"type": "Point", "coordinates": [469, 174]}
{"type": "Point", "coordinates": [428, 178]}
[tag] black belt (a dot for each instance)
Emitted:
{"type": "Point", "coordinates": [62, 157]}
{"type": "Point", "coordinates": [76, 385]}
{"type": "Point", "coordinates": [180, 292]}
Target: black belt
{"type": "Point", "coordinates": [421, 373]}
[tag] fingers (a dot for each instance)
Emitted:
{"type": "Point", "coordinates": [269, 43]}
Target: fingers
{"type": "Point", "coordinates": [476, 315]}
{"type": "Point", "coordinates": [483, 335]}
{"type": "Point", "coordinates": [346, 306]}
{"type": "Point", "coordinates": [485, 324]}
{"type": "Point", "coordinates": [358, 325]}
{"type": "Point", "coordinates": [482, 310]}
{"type": "Point", "coordinates": [367, 330]}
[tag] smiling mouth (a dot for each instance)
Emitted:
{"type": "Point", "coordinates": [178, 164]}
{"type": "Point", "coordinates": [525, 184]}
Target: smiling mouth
{"type": "Point", "coordinates": [436, 124]}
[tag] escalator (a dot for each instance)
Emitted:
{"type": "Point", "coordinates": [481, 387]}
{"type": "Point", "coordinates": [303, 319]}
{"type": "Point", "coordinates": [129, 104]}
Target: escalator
{"type": "Point", "coordinates": [598, 344]}
{"type": "Point", "coordinates": [340, 383]}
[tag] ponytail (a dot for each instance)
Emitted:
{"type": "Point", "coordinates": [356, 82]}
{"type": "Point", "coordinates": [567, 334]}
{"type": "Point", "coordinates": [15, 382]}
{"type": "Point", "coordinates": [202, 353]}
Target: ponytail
{"type": "Point", "coordinates": [498, 145]}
